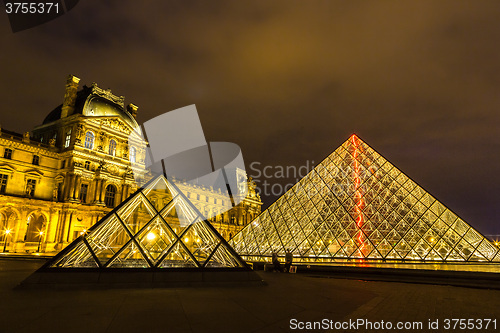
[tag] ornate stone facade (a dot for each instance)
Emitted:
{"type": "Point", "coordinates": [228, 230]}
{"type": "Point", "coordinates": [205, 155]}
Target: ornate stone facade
{"type": "Point", "coordinates": [69, 172]}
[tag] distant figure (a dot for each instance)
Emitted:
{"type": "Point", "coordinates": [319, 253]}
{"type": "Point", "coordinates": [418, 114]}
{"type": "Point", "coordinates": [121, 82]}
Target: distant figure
{"type": "Point", "coordinates": [288, 260]}
{"type": "Point", "coordinates": [276, 262]}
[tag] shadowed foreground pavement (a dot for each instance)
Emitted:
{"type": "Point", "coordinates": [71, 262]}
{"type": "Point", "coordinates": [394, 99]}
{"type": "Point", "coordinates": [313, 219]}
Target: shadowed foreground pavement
{"type": "Point", "coordinates": [234, 309]}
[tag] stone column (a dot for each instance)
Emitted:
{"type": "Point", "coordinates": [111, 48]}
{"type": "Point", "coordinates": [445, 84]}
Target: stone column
{"type": "Point", "coordinates": [95, 185]}
{"type": "Point", "coordinates": [60, 226]}
{"type": "Point", "coordinates": [122, 193]}
{"type": "Point", "coordinates": [101, 191]}
{"type": "Point", "coordinates": [20, 232]}
{"type": "Point", "coordinates": [51, 228]}
{"type": "Point", "coordinates": [126, 191]}
{"type": "Point", "coordinates": [66, 187]}
{"type": "Point", "coordinates": [72, 187]}
{"type": "Point", "coordinates": [78, 184]}
{"type": "Point", "coordinates": [67, 226]}
{"type": "Point", "coordinates": [97, 194]}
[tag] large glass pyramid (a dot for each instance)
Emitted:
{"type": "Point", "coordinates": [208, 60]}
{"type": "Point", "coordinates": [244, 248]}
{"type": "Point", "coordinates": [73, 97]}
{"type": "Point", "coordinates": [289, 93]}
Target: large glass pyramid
{"type": "Point", "coordinates": [357, 205]}
{"type": "Point", "coordinates": [157, 227]}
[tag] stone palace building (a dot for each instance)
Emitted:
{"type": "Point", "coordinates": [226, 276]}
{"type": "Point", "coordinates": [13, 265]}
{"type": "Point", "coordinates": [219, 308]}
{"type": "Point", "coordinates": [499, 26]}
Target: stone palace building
{"type": "Point", "coordinates": [67, 173]}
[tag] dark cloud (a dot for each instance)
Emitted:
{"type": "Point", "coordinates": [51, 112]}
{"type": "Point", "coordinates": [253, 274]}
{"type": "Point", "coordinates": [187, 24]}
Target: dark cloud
{"type": "Point", "coordinates": [289, 81]}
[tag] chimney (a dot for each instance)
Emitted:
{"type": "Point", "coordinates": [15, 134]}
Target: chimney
{"type": "Point", "coordinates": [70, 96]}
{"type": "Point", "coordinates": [132, 109]}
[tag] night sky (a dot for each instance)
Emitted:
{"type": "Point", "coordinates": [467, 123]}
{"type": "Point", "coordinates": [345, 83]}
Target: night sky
{"type": "Point", "coordinates": [289, 81]}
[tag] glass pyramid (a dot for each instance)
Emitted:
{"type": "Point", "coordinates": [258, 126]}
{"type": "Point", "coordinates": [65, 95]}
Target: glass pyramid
{"type": "Point", "coordinates": [357, 205]}
{"type": "Point", "coordinates": [156, 227]}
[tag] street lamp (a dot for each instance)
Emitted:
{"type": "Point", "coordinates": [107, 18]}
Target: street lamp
{"type": "Point", "coordinates": [40, 234]}
{"type": "Point", "coordinates": [6, 233]}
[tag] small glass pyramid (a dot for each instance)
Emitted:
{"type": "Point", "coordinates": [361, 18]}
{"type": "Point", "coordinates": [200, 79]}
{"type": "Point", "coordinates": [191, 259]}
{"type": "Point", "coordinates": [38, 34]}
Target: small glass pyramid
{"type": "Point", "coordinates": [157, 227]}
{"type": "Point", "coordinates": [357, 205]}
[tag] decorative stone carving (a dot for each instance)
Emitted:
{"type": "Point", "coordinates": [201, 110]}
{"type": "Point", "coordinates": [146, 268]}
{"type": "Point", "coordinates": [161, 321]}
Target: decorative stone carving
{"type": "Point", "coordinates": [113, 170]}
{"type": "Point", "coordinates": [26, 137]}
{"type": "Point", "coordinates": [102, 166]}
{"type": "Point", "coordinates": [115, 124]}
{"type": "Point", "coordinates": [80, 130]}
{"type": "Point", "coordinates": [107, 95]}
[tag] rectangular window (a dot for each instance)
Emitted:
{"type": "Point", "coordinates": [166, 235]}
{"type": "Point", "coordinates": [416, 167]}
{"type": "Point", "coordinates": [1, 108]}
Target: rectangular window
{"type": "Point", "coordinates": [87, 165]}
{"type": "Point", "coordinates": [3, 182]}
{"type": "Point", "coordinates": [36, 160]}
{"type": "Point", "coordinates": [63, 164]}
{"type": "Point", "coordinates": [83, 193]}
{"type": "Point", "coordinates": [30, 187]}
{"type": "Point", "coordinates": [68, 139]}
{"type": "Point", "coordinates": [7, 153]}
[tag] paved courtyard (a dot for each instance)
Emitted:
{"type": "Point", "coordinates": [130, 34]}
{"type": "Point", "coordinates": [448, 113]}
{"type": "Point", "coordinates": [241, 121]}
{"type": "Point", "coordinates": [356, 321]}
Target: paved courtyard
{"type": "Point", "coordinates": [267, 308]}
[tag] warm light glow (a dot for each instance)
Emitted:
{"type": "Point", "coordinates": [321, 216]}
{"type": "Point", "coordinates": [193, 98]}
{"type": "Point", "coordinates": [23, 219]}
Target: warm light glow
{"type": "Point", "coordinates": [7, 231]}
{"type": "Point", "coordinates": [198, 240]}
{"type": "Point", "coordinates": [40, 233]}
{"type": "Point", "coordinates": [432, 239]}
{"type": "Point", "coordinates": [151, 236]}
{"type": "Point", "coordinates": [186, 240]}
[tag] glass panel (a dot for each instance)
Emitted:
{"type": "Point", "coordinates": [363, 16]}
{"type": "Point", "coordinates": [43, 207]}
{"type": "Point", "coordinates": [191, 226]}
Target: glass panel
{"type": "Point", "coordinates": [155, 239]}
{"type": "Point", "coordinates": [222, 257]}
{"type": "Point", "coordinates": [178, 257]}
{"type": "Point", "coordinates": [487, 249]}
{"type": "Point", "coordinates": [80, 256]}
{"type": "Point", "coordinates": [136, 213]}
{"type": "Point", "coordinates": [107, 239]}
{"type": "Point", "coordinates": [200, 241]}
{"type": "Point", "coordinates": [129, 257]}
{"type": "Point", "coordinates": [158, 193]}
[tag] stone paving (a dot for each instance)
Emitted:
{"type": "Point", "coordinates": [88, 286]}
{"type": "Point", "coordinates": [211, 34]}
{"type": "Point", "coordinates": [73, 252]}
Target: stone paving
{"type": "Point", "coordinates": [234, 309]}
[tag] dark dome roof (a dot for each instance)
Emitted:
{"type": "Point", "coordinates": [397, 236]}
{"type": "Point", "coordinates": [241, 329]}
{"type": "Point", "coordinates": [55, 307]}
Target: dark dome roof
{"type": "Point", "coordinates": [91, 104]}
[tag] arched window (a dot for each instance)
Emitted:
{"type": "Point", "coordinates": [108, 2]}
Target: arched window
{"type": "Point", "coordinates": [89, 140]}
{"type": "Point", "coordinates": [132, 154]}
{"type": "Point", "coordinates": [34, 228]}
{"type": "Point", "coordinates": [109, 196]}
{"type": "Point", "coordinates": [112, 147]}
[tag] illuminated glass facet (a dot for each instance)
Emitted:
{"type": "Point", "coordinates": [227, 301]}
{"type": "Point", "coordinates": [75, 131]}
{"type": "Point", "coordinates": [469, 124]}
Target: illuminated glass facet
{"type": "Point", "coordinates": [357, 205]}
